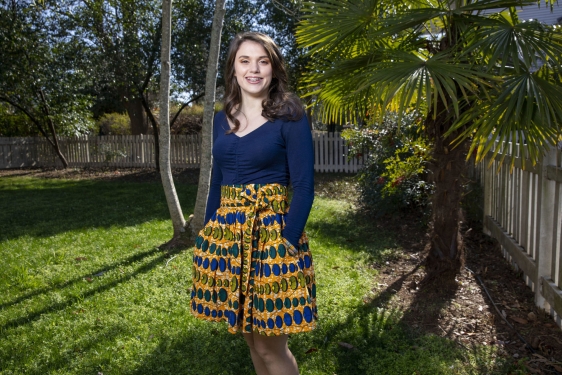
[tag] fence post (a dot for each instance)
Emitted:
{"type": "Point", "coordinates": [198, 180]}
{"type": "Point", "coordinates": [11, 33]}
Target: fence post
{"type": "Point", "coordinates": [488, 181]}
{"type": "Point", "coordinates": [546, 228]}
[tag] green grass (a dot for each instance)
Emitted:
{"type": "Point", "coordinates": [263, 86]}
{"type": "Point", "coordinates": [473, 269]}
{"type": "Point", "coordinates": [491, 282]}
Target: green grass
{"type": "Point", "coordinates": [84, 290]}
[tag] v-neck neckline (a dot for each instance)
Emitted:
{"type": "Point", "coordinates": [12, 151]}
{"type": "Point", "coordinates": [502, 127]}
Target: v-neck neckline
{"type": "Point", "coordinates": [253, 131]}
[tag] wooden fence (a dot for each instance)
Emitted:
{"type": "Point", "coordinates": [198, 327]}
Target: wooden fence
{"type": "Point", "coordinates": [97, 151]}
{"type": "Point", "coordinates": [523, 211]}
{"type": "Point", "coordinates": [330, 150]}
{"type": "Point", "coordinates": [331, 154]}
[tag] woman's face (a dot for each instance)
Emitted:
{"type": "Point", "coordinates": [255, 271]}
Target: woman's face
{"type": "Point", "coordinates": [252, 69]}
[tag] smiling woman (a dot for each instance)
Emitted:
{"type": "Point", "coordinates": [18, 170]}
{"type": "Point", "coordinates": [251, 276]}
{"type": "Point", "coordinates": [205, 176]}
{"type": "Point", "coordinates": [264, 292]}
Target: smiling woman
{"type": "Point", "coordinates": [253, 70]}
{"type": "Point", "coordinates": [252, 266]}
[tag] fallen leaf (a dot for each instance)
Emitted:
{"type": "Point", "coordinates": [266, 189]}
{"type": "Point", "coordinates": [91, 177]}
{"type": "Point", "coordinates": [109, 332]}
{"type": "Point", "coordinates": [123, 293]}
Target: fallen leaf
{"type": "Point", "coordinates": [311, 350]}
{"type": "Point", "coordinates": [557, 368]}
{"type": "Point", "coordinates": [88, 279]}
{"type": "Point", "coordinates": [531, 316]}
{"type": "Point", "coordinates": [534, 370]}
{"type": "Point", "coordinates": [79, 259]}
{"type": "Point", "coordinates": [519, 320]}
{"type": "Point", "coordinates": [345, 345]}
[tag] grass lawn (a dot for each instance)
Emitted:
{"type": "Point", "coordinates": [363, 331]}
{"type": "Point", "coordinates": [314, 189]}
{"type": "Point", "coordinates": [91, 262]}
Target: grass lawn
{"type": "Point", "coordinates": [85, 290]}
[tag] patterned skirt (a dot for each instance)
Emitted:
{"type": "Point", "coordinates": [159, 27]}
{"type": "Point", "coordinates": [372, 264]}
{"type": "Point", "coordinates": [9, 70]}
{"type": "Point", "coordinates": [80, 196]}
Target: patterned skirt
{"type": "Point", "coordinates": [246, 273]}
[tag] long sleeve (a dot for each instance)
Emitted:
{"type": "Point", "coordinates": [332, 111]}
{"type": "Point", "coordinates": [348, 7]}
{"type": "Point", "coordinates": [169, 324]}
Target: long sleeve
{"type": "Point", "coordinates": [300, 160]}
{"type": "Point", "coordinates": [214, 198]}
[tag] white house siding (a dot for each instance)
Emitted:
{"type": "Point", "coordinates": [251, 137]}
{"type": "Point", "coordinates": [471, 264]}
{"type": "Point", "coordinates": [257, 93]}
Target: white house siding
{"type": "Point", "coordinates": [542, 13]}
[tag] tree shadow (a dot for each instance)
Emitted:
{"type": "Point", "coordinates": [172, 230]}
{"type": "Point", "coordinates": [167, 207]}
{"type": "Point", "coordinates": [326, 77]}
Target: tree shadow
{"type": "Point", "coordinates": [205, 349]}
{"type": "Point", "coordinates": [102, 286]}
{"type": "Point", "coordinates": [378, 334]}
{"type": "Point", "coordinates": [104, 269]}
{"type": "Point", "coordinates": [50, 207]}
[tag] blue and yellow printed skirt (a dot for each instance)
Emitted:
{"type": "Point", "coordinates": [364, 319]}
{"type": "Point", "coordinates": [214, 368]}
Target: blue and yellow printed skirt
{"type": "Point", "coordinates": [243, 269]}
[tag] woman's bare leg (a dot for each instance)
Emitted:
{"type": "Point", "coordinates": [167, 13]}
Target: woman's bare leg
{"type": "Point", "coordinates": [271, 355]}
{"type": "Point", "coordinates": [259, 366]}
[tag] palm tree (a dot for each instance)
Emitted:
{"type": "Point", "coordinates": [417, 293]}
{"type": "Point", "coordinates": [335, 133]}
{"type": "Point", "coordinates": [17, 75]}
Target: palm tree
{"type": "Point", "coordinates": [476, 72]}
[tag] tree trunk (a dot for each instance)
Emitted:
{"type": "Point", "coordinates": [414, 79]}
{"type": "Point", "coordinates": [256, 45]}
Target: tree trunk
{"type": "Point", "coordinates": [208, 114]}
{"type": "Point", "coordinates": [53, 131]}
{"type": "Point", "coordinates": [447, 171]}
{"type": "Point", "coordinates": [174, 207]}
{"type": "Point", "coordinates": [155, 130]}
{"type": "Point", "coordinates": [135, 111]}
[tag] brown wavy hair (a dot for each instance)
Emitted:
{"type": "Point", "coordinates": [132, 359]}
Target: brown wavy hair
{"type": "Point", "coordinates": [280, 102]}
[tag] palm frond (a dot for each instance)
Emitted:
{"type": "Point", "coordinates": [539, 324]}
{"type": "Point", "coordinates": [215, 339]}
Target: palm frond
{"type": "Point", "coordinates": [526, 105]}
{"type": "Point", "coordinates": [504, 45]}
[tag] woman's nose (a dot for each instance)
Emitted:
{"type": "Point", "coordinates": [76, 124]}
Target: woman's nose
{"type": "Point", "coordinates": [255, 67]}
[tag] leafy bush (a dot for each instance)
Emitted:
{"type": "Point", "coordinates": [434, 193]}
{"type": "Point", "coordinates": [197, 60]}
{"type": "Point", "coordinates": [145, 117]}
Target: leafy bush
{"type": "Point", "coordinates": [14, 123]}
{"type": "Point", "coordinates": [114, 124]}
{"type": "Point", "coordinates": [189, 120]}
{"type": "Point", "coordinates": [69, 118]}
{"type": "Point", "coordinates": [393, 178]}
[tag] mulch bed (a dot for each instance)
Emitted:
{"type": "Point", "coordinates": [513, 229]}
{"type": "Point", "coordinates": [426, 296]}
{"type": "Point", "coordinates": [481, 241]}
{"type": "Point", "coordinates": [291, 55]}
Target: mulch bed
{"type": "Point", "coordinates": [465, 314]}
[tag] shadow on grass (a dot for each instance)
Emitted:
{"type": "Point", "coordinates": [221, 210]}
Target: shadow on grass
{"type": "Point", "coordinates": [70, 300]}
{"type": "Point", "coordinates": [382, 340]}
{"type": "Point", "coordinates": [122, 262]}
{"type": "Point", "coordinates": [387, 341]}
{"type": "Point", "coordinates": [31, 205]}
{"type": "Point", "coordinates": [206, 349]}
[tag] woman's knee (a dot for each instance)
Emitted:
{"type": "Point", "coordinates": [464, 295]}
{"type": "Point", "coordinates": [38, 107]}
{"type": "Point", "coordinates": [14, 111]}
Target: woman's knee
{"type": "Point", "coordinates": [267, 347]}
{"type": "Point", "coordinates": [249, 340]}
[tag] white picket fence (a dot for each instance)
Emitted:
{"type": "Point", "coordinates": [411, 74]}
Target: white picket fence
{"type": "Point", "coordinates": [523, 211]}
{"type": "Point", "coordinates": [127, 151]}
{"type": "Point", "coordinates": [331, 154]}
{"type": "Point", "coordinates": [97, 151]}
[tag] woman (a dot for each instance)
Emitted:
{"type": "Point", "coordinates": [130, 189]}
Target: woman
{"type": "Point", "coordinates": [252, 266]}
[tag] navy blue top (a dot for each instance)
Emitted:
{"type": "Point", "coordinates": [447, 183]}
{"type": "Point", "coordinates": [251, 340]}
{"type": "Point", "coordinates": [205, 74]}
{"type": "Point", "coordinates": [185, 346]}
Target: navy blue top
{"type": "Point", "coordinates": [279, 151]}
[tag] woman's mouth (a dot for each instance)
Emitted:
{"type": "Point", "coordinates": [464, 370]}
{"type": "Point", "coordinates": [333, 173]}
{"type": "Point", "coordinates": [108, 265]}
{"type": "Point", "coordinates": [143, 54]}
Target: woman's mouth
{"type": "Point", "coordinates": [253, 79]}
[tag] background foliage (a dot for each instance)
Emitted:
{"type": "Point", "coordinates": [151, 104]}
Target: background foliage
{"type": "Point", "coordinates": [95, 57]}
{"type": "Point", "coordinates": [395, 175]}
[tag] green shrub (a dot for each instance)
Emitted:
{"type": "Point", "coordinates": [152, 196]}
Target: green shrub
{"type": "Point", "coordinates": [189, 120]}
{"type": "Point", "coordinates": [114, 124]}
{"type": "Point", "coordinates": [14, 123]}
{"type": "Point", "coordinates": [394, 176]}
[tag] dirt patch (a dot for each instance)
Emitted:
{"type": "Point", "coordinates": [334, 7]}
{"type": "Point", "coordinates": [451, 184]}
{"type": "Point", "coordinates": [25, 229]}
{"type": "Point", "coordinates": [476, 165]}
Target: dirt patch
{"type": "Point", "coordinates": [466, 314]}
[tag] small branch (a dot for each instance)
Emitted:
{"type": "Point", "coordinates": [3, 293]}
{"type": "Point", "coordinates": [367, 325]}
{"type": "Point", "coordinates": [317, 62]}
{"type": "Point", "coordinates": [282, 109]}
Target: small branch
{"type": "Point", "coordinates": [499, 312]}
{"type": "Point", "coordinates": [169, 260]}
{"type": "Point", "coordinates": [52, 127]}
{"type": "Point", "coordinates": [183, 106]}
{"type": "Point", "coordinates": [277, 4]}
{"type": "Point", "coordinates": [527, 345]}
{"type": "Point", "coordinates": [28, 114]}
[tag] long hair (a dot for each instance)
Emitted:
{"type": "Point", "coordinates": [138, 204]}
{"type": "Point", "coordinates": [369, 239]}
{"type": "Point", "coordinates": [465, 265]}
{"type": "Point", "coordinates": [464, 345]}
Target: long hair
{"type": "Point", "coordinates": [280, 103]}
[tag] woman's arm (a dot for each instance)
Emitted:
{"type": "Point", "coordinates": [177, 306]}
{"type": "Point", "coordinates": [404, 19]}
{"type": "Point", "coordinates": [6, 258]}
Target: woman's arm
{"type": "Point", "coordinates": [214, 198]}
{"type": "Point", "coordinates": [300, 159]}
